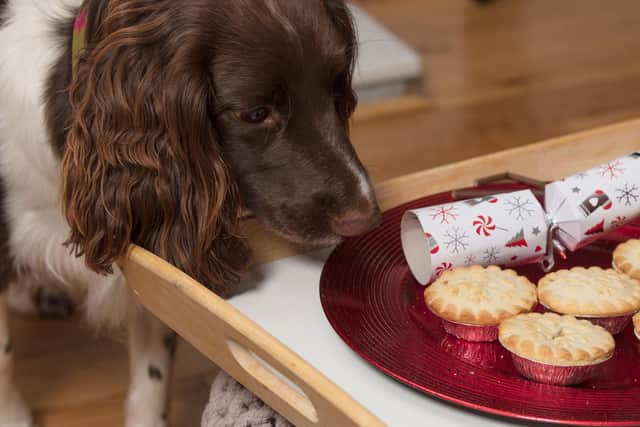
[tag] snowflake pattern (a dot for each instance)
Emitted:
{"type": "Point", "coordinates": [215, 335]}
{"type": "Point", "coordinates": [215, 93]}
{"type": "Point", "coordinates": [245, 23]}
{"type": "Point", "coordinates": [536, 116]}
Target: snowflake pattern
{"type": "Point", "coordinates": [469, 260]}
{"type": "Point", "coordinates": [628, 194]}
{"type": "Point", "coordinates": [581, 175]}
{"type": "Point", "coordinates": [576, 190]}
{"type": "Point", "coordinates": [536, 231]}
{"type": "Point", "coordinates": [619, 221]}
{"type": "Point", "coordinates": [612, 170]}
{"type": "Point", "coordinates": [457, 241]}
{"type": "Point", "coordinates": [490, 256]}
{"type": "Point", "coordinates": [519, 207]}
{"type": "Point", "coordinates": [444, 214]}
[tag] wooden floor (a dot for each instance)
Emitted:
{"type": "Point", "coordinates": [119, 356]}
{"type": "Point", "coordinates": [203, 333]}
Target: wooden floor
{"type": "Point", "coordinates": [509, 73]}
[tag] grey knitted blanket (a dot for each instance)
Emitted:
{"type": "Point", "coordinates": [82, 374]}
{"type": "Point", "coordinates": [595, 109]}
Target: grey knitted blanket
{"type": "Point", "coordinates": [232, 405]}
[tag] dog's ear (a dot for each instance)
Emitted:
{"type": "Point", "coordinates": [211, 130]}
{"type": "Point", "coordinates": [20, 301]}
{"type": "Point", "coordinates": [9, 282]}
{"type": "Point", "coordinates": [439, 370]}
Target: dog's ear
{"type": "Point", "coordinates": [142, 163]}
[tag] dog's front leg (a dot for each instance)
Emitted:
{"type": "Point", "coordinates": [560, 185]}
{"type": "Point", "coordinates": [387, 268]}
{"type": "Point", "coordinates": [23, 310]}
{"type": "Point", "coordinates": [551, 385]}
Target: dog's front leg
{"type": "Point", "coordinates": [151, 349]}
{"type": "Point", "coordinates": [13, 410]}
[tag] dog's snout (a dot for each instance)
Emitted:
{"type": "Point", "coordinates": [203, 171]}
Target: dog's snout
{"type": "Point", "coordinates": [355, 222]}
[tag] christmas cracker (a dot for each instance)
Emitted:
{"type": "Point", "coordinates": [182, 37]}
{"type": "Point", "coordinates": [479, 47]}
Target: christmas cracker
{"type": "Point", "coordinates": [504, 229]}
{"type": "Point", "coordinates": [589, 204]}
{"type": "Point", "coordinates": [513, 228]}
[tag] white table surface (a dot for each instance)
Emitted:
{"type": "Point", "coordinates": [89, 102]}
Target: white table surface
{"type": "Point", "coordinates": [283, 298]}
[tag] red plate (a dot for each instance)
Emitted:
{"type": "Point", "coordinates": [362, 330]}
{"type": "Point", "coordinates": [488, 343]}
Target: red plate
{"type": "Point", "coordinates": [375, 305]}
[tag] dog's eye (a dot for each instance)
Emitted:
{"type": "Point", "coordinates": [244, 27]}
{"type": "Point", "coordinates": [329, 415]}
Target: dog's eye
{"type": "Point", "coordinates": [256, 116]}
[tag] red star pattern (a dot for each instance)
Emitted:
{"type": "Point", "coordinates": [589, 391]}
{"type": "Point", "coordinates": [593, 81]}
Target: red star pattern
{"type": "Point", "coordinates": [444, 214]}
{"type": "Point", "coordinates": [612, 170]}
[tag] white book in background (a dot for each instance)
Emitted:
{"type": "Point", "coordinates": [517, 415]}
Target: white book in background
{"type": "Point", "coordinates": [386, 65]}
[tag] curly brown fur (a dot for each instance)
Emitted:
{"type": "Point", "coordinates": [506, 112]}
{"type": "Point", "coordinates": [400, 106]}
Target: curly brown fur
{"type": "Point", "coordinates": [178, 114]}
{"type": "Point", "coordinates": [141, 163]}
{"type": "Point", "coordinates": [157, 152]}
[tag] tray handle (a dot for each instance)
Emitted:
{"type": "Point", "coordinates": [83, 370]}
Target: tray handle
{"type": "Point", "coordinates": [256, 368]}
{"type": "Point", "coordinates": [240, 346]}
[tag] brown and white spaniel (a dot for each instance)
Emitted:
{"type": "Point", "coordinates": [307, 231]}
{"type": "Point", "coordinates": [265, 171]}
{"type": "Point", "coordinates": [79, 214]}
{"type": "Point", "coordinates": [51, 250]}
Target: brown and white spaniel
{"type": "Point", "coordinates": [175, 116]}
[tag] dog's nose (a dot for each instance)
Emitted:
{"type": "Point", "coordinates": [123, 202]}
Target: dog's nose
{"type": "Point", "coordinates": [355, 222]}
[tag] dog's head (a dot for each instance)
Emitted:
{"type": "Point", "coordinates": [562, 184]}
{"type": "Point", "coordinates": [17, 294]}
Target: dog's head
{"type": "Point", "coordinates": [185, 110]}
{"type": "Point", "coordinates": [282, 79]}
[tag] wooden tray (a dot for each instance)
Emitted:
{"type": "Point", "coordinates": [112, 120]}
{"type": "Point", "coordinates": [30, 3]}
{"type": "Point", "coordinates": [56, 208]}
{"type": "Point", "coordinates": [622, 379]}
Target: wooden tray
{"type": "Point", "coordinates": [240, 347]}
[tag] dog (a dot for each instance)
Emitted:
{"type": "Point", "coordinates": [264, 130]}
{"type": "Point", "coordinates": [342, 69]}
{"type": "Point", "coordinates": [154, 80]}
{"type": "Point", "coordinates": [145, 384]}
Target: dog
{"type": "Point", "coordinates": [170, 119]}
